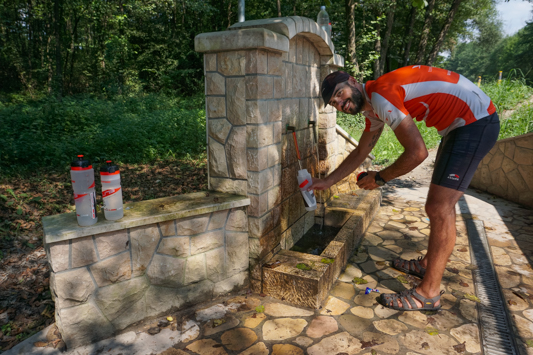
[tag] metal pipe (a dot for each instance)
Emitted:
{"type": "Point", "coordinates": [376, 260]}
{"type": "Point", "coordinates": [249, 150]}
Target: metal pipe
{"type": "Point", "coordinates": [241, 10]}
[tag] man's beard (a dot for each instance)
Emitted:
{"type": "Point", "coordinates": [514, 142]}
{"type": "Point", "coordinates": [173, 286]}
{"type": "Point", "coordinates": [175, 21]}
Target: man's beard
{"type": "Point", "coordinates": [358, 101]}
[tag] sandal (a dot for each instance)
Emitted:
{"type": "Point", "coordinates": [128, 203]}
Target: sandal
{"type": "Point", "coordinates": [406, 297]}
{"type": "Point", "coordinates": [412, 266]}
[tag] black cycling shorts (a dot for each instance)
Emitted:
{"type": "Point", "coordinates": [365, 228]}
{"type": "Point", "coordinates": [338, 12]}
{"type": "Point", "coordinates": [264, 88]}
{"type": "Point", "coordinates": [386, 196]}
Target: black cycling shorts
{"type": "Point", "coordinates": [461, 150]}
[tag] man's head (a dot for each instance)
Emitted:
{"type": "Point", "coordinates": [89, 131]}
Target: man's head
{"type": "Point", "coordinates": [341, 91]}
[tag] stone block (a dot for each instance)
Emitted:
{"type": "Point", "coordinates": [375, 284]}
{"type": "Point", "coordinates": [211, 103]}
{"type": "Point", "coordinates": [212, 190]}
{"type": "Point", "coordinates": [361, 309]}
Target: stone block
{"type": "Point", "coordinates": [275, 65]}
{"type": "Point", "coordinates": [257, 111]}
{"type": "Point", "coordinates": [299, 49]}
{"type": "Point", "coordinates": [284, 214]}
{"type": "Point", "coordinates": [232, 63]}
{"type": "Point", "coordinates": [257, 159]}
{"type": "Point", "coordinates": [327, 135]}
{"type": "Point", "coordinates": [274, 197]}
{"type": "Point", "coordinates": [83, 252]}
{"type": "Point", "coordinates": [217, 159]}
{"type": "Point", "coordinates": [259, 182]}
{"type": "Point", "coordinates": [215, 264]}
{"type": "Point", "coordinates": [168, 229]}
{"type": "Point", "coordinates": [294, 208]}
{"type": "Point", "coordinates": [207, 241]}
{"type": "Point", "coordinates": [112, 270]}
{"type": "Point", "coordinates": [230, 186]}
{"type": "Point", "coordinates": [287, 78]}
{"type": "Point", "coordinates": [236, 153]}
{"type": "Point", "coordinates": [523, 156]}
{"type": "Point", "coordinates": [195, 270]}
{"type": "Point", "coordinates": [525, 141]}
{"type": "Point", "coordinates": [210, 62]}
{"type": "Point", "coordinates": [231, 284]}
{"type": "Point", "coordinates": [144, 240]}
{"type": "Point", "coordinates": [161, 299]}
{"type": "Point", "coordinates": [299, 81]}
{"type": "Point", "coordinates": [215, 84]}
{"type": "Point", "coordinates": [496, 161]}
{"type": "Point", "coordinates": [303, 113]}
{"type": "Point", "coordinates": [254, 247]}
{"type": "Point", "coordinates": [315, 82]}
{"type": "Point", "coordinates": [527, 175]}
{"type": "Point", "coordinates": [516, 179]}
{"type": "Point", "coordinates": [197, 293]}
{"type": "Point", "coordinates": [192, 225]}
{"type": "Point", "coordinates": [59, 255]}
{"type": "Point", "coordinates": [274, 153]}
{"type": "Point", "coordinates": [216, 107]}
{"type": "Point", "coordinates": [115, 299]}
{"type": "Point", "coordinates": [82, 325]}
{"type": "Point", "coordinates": [237, 252]}
{"type": "Point", "coordinates": [274, 111]}
{"type": "Point", "coordinates": [508, 149]}
{"type": "Point", "coordinates": [237, 221]}
{"type": "Point", "coordinates": [276, 173]}
{"type": "Point", "coordinates": [175, 246]}
{"type": "Point", "coordinates": [71, 288]}
{"type": "Point", "coordinates": [259, 136]}
{"type": "Point", "coordinates": [236, 101]}
{"type": "Point", "coordinates": [258, 205]}
{"type": "Point", "coordinates": [259, 226]}
{"type": "Point", "coordinates": [256, 62]}
{"type": "Point", "coordinates": [279, 87]}
{"type": "Point", "coordinates": [219, 129]}
{"type": "Point", "coordinates": [166, 271]}
{"type": "Point", "coordinates": [218, 220]}
{"type": "Point", "coordinates": [111, 243]}
{"type": "Point", "coordinates": [259, 87]}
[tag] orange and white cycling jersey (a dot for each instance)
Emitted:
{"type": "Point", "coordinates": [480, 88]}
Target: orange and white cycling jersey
{"type": "Point", "coordinates": [443, 99]}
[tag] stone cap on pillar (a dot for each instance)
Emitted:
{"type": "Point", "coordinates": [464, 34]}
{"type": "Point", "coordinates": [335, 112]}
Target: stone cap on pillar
{"type": "Point", "coordinates": [291, 26]}
{"type": "Point", "coordinates": [250, 38]}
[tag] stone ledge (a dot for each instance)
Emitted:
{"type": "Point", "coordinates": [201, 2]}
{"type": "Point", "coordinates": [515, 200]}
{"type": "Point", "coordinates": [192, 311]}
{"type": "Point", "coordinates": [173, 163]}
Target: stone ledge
{"type": "Point", "coordinates": [65, 227]}
{"type": "Point", "coordinates": [250, 38]}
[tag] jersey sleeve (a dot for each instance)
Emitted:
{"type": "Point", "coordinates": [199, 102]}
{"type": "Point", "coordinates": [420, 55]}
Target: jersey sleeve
{"type": "Point", "coordinates": [372, 124]}
{"type": "Point", "coordinates": [390, 111]}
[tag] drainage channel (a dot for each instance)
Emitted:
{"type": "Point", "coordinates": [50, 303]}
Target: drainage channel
{"type": "Point", "coordinates": [496, 330]}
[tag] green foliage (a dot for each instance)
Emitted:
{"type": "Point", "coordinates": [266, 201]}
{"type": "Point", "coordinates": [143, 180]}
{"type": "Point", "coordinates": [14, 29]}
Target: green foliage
{"type": "Point", "coordinates": [49, 133]}
{"type": "Point", "coordinates": [327, 261]}
{"type": "Point", "coordinates": [507, 94]}
{"type": "Point", "coordinates": [520, 122]}
{"type": "Point", "coordinates": [260, 309]}
{"type": "Point", "coordinates": [303, 266]}
{"type": "Point", "coordinates": [359, 281]}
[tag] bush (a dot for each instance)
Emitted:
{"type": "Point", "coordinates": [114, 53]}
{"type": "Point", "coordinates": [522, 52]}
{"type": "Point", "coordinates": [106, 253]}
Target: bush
{"type": "Point", "coordinates": [49, 134]}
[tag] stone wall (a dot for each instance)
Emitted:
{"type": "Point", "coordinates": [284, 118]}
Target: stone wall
{"type": "Point", "coordinates": [104, 282]}
{"type": "Point", "coordinates": [507, 170]}
{"type": "Point", "coordinates": [262, 76]}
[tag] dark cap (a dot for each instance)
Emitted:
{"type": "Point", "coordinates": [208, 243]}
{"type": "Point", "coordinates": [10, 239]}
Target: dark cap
{"type": "Point", "coordinates": [329, 83]}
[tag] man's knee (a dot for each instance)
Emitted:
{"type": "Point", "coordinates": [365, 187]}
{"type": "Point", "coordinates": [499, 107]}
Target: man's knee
{"type": "Point", "coordinates": [437, 210]}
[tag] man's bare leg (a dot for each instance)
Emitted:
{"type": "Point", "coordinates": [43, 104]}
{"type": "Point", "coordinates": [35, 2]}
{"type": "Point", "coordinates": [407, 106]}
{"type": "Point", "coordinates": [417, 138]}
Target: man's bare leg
{"type": "Point", "coordinates": [440, 207]}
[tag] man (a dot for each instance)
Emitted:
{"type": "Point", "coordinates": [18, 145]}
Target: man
{"type": "Point", "coordinates": [469, 125]}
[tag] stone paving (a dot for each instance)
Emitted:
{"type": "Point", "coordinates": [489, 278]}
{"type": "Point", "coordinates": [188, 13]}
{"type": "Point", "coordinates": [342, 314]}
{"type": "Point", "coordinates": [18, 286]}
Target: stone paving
{"type": "Point", "coordinates": [351, 322]}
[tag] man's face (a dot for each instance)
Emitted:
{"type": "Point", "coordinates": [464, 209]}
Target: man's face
{"type": "Point", "coordinates": [347, 98]}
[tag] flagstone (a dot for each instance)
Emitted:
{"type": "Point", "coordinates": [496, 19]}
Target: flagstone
{"type": "Point", "coordinates": [334, 307]}
{"type": "Point", "coordinates": [371, 266]}
{"type": "Point", "coordinates": [338, 343]}
{"type": "Point", "coordinates": [410, 254]}
{"type": "Point", "coordinates": [468, 310]}
{"type": "Point", "coordinates": [322, 325]}
{"type": "Point", "coordinates": [371, 239]}
{"type": "Point", "coordinates": [286, 349]}
{"type": "Point", "coordinates": [469, 334]}
{"type": "Point", "coordinates": [514, 302]}
{"type": "Point", "coordinates": [349, 273]}
{"type": "Point", "coordinates": [343, 290]}
{"type": "Point", "coordinates": [384, 312]}
{"type": "Point", "coordinates": [447, 300]}
{"type": "Point", "coordinates": [425, 231]}
{"type": "Point", "coordinates": [353, 324]}
{"type": "Point", "coordinates": [359, 258]}
{"type": "Point", "coordinates": [282, 310]}
{"type": "Point", "coordinates": [525, 327]}
{"type": "Point", "coordinates": [390, 234]}
{"type": "Point", "coordinates": [388, 242]}
{"type": "Point", "coordinates": [508, 278]}
{"type": "Point", "coordinates": [363, 312]}
{"type": "Point", "coordinates": [303, 341]}
{"type": "Point", "coordinates": [394, 225]}
{"type": "Point", "coordinates": [462, 255]}
{"type": "Point", "coordinates": [445, 320]}
{"type": "Point", "coordinates": [253, 320]}
{"type": "Point", "coordinates": [214, 312]}
{"type": "Point", "coordinates": [283, 328]}
{"type": "Point", "coordinates": [390, 326]}
{"type": "Point", "coordinates": [210, 329]}
{"type": "Point", "coordinates": [394, 248]}
{"type": "Point", "coordinates": [238, 339]}
{"type": "Point", "coordinates": [256, 349]}
{"type": "Point", "coordinates": [389, 273]}
{"type": "Point", "coordinates": [434, 345]}
{"type": "Point", "coordinates": [206, 347]}
{"type": "Point", "coordinates": [365, 300]}
{"type": "Point", "coordinates": [371, 282]}
{"type": "Point", "coordinates": [523, 269]}
{"type": "Point", "coordinates": [387, 343]}
{"type": "Point", "coordinates": [415, 319]}
{"type": "Point", "coordinates": [518, 258]}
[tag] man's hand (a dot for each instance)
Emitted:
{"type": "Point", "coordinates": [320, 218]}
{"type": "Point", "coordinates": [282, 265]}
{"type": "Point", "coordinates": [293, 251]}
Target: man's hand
{"type": "Point", "coordinates": [319, 184]}
{"type": "Point", "coordinates": [369, 181]}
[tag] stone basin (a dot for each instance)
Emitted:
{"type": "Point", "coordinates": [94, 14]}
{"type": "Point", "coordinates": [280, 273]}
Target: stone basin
{"type": "Point", "coordinates": [282, 279]}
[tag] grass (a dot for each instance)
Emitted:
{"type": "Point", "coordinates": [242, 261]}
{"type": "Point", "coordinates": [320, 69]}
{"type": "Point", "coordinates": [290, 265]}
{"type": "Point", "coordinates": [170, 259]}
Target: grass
{"type": "Point", "coordinates": [48, 134]}
{"type": "Point", "coordinates": [505, 96]}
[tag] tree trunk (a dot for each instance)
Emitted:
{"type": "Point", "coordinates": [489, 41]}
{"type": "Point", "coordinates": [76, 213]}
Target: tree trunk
{"type": "Point", "coordinates": [409, 36]}
{"type": "Point", "coordinates": [350, 29]}
{"type": "Point", "coordinates": [377, 49]}
{"type": "Point", "coordinates": [279, 8]}
{"type": "Point", "coordinates": [59, 62]}
{"type": "Point", "coordinates": [385, 45]}
{"type": "Point", "coordinates": [229, 13]}
{"type": "Point", "coordinates": [425, 33]}
{"type": "Point", "coordinates": [443, 32]}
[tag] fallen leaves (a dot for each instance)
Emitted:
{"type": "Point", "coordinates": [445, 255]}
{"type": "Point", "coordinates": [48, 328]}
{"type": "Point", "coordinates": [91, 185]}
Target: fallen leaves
{"type": "Point", "coordinates": [359, 281]}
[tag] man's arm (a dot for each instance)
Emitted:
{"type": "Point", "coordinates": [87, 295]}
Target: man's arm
{"type": "Point", "coordinates": [353, 160]}
{"type": "Point", "coordinates": [414, 154]}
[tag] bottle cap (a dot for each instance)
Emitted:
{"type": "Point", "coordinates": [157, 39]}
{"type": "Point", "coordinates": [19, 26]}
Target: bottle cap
{"type": "Point", "coordinates": [109, 168]}
{"type": "Point", "coordinates": [322, 8]}
{"type": "Point", "coordinates": [80, 163]}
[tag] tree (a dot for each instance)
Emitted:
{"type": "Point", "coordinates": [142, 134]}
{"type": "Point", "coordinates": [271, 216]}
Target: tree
{"type": "Point", "coordinates": [425, 33]}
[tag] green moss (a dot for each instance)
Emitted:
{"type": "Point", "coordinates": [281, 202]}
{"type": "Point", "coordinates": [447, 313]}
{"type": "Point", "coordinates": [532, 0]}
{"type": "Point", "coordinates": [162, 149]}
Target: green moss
{"type": "Point", "coordinates": [432, 331]}
{"type": "Point", "coordinates": [403, 279]}
{"type": "Point", "coordinates": [327, 261]}
{"type": "Point", "coordinates": [359, 281]}
{"type": "Point", "coordinates": [303, 266]}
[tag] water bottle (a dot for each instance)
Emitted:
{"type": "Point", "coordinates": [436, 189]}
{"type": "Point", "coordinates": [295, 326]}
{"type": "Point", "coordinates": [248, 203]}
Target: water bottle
{"type": "Point", "coordinates": [323, 20]}
{"type": "Point", "coordinates": [111, 191]}
{"type": "Point", "coordinates": [304, 181]}
{"type": "Point", "coordinates": [82, 177]}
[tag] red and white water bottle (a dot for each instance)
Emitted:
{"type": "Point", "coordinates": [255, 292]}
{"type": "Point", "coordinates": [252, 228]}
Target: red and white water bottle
{"type": "Point", "coordinates": [111, 191]}
{"type": "Point", "coordinates": [304, 181]}
{"type": "Point", "coordinates": [82, 177]}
